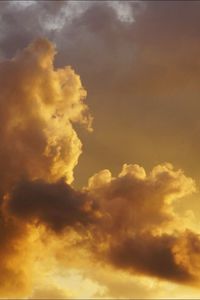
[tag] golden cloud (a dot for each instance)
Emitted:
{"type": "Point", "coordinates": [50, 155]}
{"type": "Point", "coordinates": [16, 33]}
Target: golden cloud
{"type": "Point", "coordinates": [127, 222]}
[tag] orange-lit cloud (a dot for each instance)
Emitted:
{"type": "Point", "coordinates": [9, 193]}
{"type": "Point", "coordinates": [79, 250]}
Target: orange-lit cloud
{"type": "Point", "coordinates": [126, 222]}
{"type": "Point", "coordinates": [38, 106]}
{"type": "Point", "coordinates": [140, 230]}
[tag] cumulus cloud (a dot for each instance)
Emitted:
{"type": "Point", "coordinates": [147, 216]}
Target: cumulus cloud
{"type": "Point", "coordinates": [38, 106]}
{"type": "Point", "coordinates": [139, 202]}
{"type": "Point", "coordinates": [140, 230]}
{"type": "Point", "coordinates": [127, 221]}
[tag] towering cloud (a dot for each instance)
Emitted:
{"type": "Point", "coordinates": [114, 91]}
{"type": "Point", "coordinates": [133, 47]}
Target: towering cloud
{"type": "Point", "coordinates": [38, 106]}
{"type": "Point", "coordinates": [128, 221]}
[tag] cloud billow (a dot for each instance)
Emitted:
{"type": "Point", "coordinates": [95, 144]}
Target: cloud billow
{"type": "Point", "coordinates": [128, 221]}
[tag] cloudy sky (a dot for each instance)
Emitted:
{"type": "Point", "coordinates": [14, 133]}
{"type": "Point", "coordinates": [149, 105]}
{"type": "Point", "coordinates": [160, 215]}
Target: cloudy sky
{"type": "Point", "coordinates": [99, 151]}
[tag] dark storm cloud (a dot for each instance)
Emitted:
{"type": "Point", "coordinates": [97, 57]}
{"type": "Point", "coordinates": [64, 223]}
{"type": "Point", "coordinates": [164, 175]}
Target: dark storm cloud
{"type": "Point", "coordinates": [57, 205]}
{"type": "Point", "coordinates": [152, 255]}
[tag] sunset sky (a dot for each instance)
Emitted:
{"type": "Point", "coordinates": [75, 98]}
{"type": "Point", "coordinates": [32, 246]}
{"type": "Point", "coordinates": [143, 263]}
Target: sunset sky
{"type": "Point", "coordinates": [99, 149]}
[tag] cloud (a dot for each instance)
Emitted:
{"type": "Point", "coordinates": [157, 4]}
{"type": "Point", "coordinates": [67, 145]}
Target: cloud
{"type": "Point", "coordinates": [148, 67]}
{"type": "Point", "coordinates": [136, 201]}
{"type": "Point", "coordinates": [34, 18]}
{"type": "Point", "coordinates": [13, 278]}
{"type": "Point", "coordinates": [140, 230]}
{"type": "Point", "coordinates": [123, 10]}
{"type": "Point", "coordinates": [126, 221]}
{"type": "Point", "coordinates": [38, 106]}
{"type": "Point", "coordinates": [51, 293]}
{"type": "Point", "coordinates": [156, 256]}
{"type": "Point", "coordinates": [55, 204]}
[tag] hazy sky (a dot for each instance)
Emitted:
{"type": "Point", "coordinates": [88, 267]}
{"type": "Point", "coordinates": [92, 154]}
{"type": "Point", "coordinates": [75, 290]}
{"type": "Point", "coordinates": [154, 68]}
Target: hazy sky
{"type": "Point", "coordinates": [99, 152]}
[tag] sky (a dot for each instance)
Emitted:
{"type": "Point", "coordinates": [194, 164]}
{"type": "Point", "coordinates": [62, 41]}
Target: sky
{"type": "Point", "coordinates": [99, 151]}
